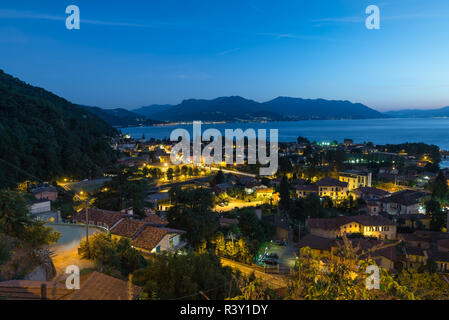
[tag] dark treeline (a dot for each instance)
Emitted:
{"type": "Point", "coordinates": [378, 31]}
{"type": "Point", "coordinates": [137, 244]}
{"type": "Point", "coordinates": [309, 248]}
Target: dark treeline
{"type": "Point", "coordinates": [47, 136]}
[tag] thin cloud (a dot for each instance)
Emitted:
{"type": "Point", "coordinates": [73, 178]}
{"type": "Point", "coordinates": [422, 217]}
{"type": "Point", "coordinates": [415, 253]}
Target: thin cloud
{"type": "Point", "coordinates": [228, 51]}
{"type": "Point", "coordinates": [293, 36]}
{"type": "Point", "coordinates": [361, 18]}
{"type": "Point", "coordinates": [14, 14]}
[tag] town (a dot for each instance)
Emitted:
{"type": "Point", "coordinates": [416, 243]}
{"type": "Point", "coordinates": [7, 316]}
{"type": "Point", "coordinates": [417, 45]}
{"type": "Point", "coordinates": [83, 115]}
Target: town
{"type": "Point", "coordinates": [329, 201]}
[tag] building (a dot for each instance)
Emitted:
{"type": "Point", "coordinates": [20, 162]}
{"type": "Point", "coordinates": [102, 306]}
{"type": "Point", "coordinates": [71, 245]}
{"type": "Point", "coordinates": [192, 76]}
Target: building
{"type": "Point", "coordinates": [305, 190]}
{"type": "Point", "coordinates": [385, 256]}
{"type": "Point", "coordinates": [149, 235]}
{"type": "Point", "coordinates": [95, 286]}
{"type": "Point", "coordinates": [156, 239]}
{"type": "Point", "coordinates": [413, 221]}
{"type": "Point", "coordinates": [266, 194]}
{"type": "Point", "coordinates": [45, 192]}
{"type": "Point", "coordinates": [332, 188]}
{"type": "Point", "coordinates": [355, 179]}
{"type": "Point", "coordinates": [99, 217]}
{"type": "Point", "coordinates": [404, 202]}
{"type": "Point", "coordinates": [366, 225]}
{"type": "Point", "coordinates": [40, 206]}
{"type": "Point", "coordinates": [370, 193]}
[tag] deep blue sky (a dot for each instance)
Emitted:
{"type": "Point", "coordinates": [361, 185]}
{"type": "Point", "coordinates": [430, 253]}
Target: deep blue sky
{"type": "Point", "coordinates": [134, 53]}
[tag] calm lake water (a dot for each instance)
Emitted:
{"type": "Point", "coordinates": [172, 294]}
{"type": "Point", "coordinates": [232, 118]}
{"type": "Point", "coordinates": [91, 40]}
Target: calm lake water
{"type": "Point", "coordinates": [379, 131]}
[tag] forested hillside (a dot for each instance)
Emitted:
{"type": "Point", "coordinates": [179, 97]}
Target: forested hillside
{"type": "Point", "coordinates": [47, 136]}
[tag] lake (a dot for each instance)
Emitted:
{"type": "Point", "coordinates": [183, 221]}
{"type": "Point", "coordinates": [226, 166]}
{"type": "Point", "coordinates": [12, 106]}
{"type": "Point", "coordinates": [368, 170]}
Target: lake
{"type": "Point", "coordinates": [379, 131]}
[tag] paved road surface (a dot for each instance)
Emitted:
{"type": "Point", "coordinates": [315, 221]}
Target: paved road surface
{"type": "Point", "coordinates": [275, 281]}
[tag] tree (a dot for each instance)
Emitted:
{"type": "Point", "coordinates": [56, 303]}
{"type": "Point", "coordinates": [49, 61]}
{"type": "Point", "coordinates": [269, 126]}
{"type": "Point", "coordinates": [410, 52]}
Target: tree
{"type": "Point", "coordinates": [250, 226]}
{"type": "Point", "coordinates": [284, 194]}
{"type": "Point", "coordinates": [112, 254]}
{"type": "Point", "coordinates": [232, 249]}
{"type": "Point", "coordinates": [433, 208]}
{"type": "Point", "coordinates": [191, 211]}
{"type": "Point", "coordinates": [170, 174]}
{"type": "Point", "coordinates": [302, 140]}
{"type": "Point", "coordinates": [220, 244]}
{"type": "Point", "coordinates": [244, 252]}
{"type": "Point", "coordinates": [37, 234]}
{"type": "Point", "coordinates": [122, 192]}
{"type": "Point", "coordinates": [174, 276]}
{"type": "Point", "coordinates": [341, 277]}
{"type": "Point", "coordinates": [440, 188]}
{"type": "Point", "coordinates": [424, 285]}
{"type": "Point", "coordinates": [218, 178]}
{"type": "Point", "coordinates": [14, 216]}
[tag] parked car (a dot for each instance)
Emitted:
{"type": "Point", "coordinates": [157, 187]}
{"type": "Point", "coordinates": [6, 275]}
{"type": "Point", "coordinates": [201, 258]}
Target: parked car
{"type": "Point", "coordinates": [273, 255]}
{"type": "Point", "coordinates": [281, 243]}
{"type": "Point", "coordinates": [270, 261]}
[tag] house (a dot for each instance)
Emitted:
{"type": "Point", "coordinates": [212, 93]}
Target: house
{"type": "Point", "coordinates": [224, 187]}
{"type": "Point", "coordinates": [404, 202]}
{"type": "Point", "coordinates": [414, 221]}
{"type": "Point", "coordinates": [370, 193]}
{"type": "Point", "coordinates": [423, 245]}
{"type": "Point", "coordinates": [126, 228]}
{"type": "Point", "coordinates": [384, 255]}
{"type": "Point", "coordinates": [149, 235]}
{"type": "Point", "coordinates": [40, 206]}
{"type": "Point", "coordinates": [266, 194]}
{"type": "Point", "coordinates": [154, 219]}
{"type": "Point", "coordinates": [355, 179]}
{"type": "Point", "coordinates": [305, 190]}
{"type": "Point", "coordinates": [373, 207]}
{"type": "Point", "coordinates": [103, 287]}
{"type": "Point", "coordinates": [156, 239]}
{"type": "Point", "coordinates": [159, 200]}
{"type": "Point", "coordinates": [367, 225]}
{"type": "Point", "coordinates": [332, 188]}
{"type": "Point", "coordinates": [45, 192]}
{"type": "Point", "coordinates": [227, 222]}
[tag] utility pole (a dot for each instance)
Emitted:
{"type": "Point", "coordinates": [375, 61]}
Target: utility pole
{"type": "Point", "coordinates": [87, 228]}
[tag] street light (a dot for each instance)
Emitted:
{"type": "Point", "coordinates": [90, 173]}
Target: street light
{"type": "Point", "coordinates": [87, 221]}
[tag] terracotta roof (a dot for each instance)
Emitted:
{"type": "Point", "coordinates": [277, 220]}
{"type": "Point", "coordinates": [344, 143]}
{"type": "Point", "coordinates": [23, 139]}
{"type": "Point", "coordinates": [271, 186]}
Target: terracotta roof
{"type": "Point", "coordinates": [440, 256]}
{"type": "Point", "coordinates": [228, 221]}
{"type": "Point", "coordinates": [414, 251]}
{"type": "Point", "coordinates": [444, 243]}
{"type": "Point", "coordinates": [127, 228]}
{"type": "Point", "coordinates": [149, 237]}
{"type": "Point", "coordinates": [405, 197]}
{"type": "Point", "coordinates": [334, 223]}
{"type": "Point", "coordinates": [99, 217]}
{"type": "Point", "coordinates": [369, 220]}
{"type": "Point", "coordinates": [315, 242]}
{"type": "Point", "coordinates": [43, 188]}
{"type": "Point", "coordinates": [31, 290]}
{"type": "Point", "coordinates": [331, 182]}
{"type": "Point", "coordinates": [307, 187]}
{"type": "Point", "coordinates": [372, 190]}
{"type": "Point", "coordinates": [155, 219]}
{"type": "Point", "coordinates": [103, 287]}
{"type": "Point", "coordinates": [328, 223]}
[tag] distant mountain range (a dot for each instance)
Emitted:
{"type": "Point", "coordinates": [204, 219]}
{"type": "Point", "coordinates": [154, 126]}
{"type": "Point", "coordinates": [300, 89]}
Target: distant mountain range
{"type": "Point", "coordinates": [120, 117]}
{"type": "Point", "coordinates": [239, 109]}
{"type": "Point", "coordinates": [410, 113]}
